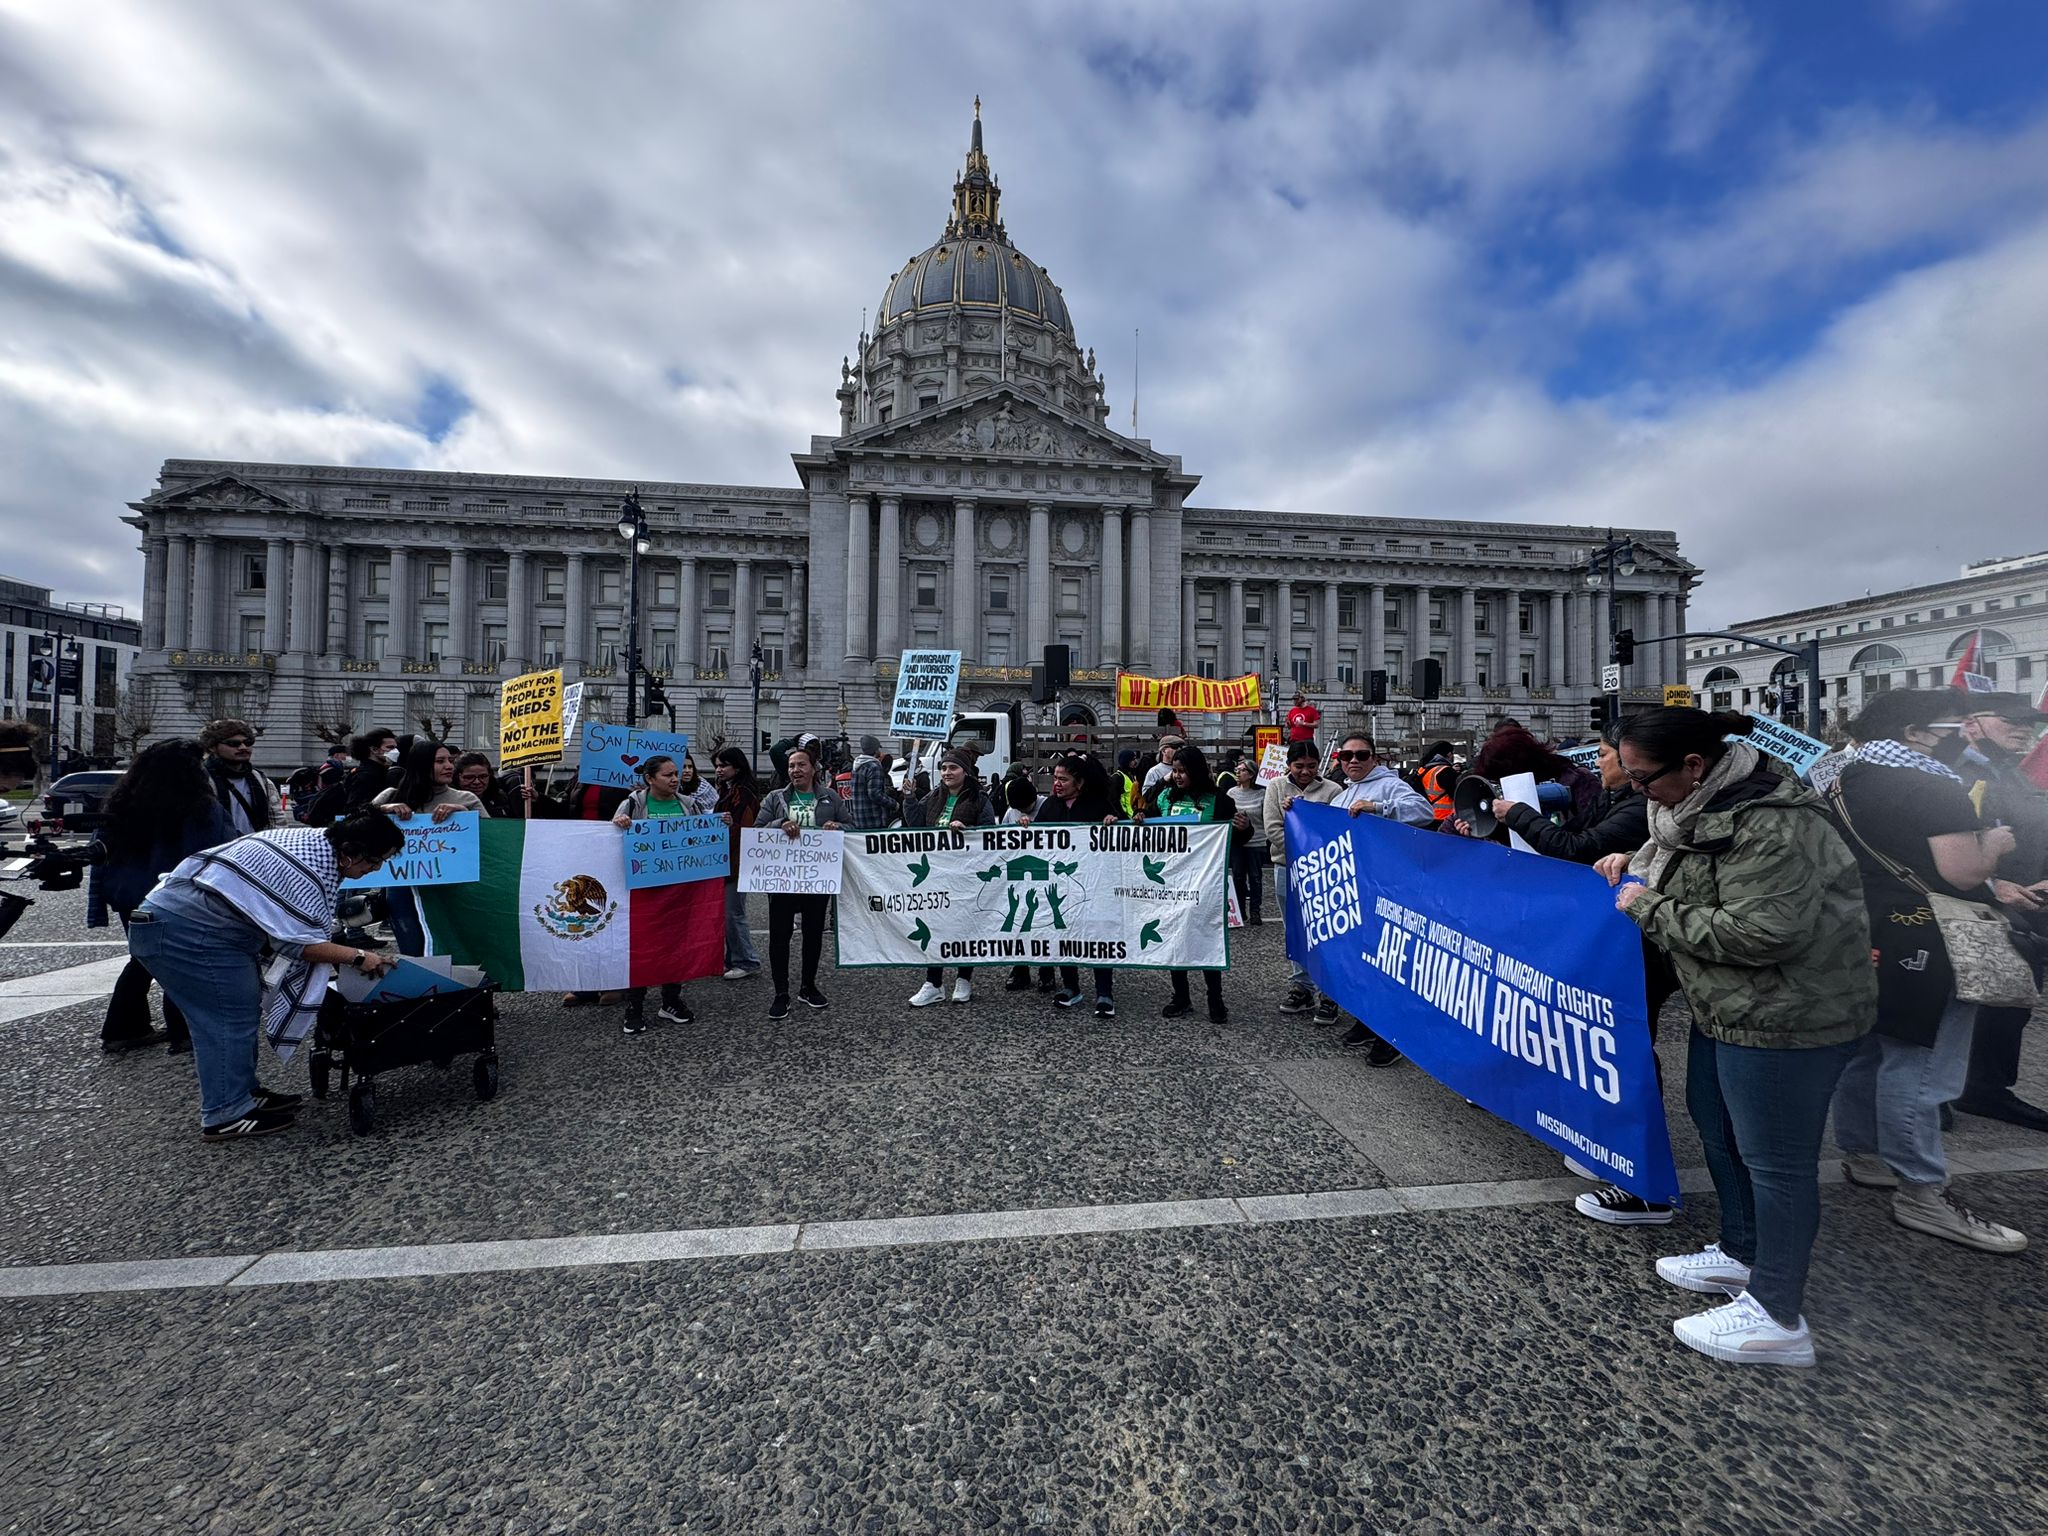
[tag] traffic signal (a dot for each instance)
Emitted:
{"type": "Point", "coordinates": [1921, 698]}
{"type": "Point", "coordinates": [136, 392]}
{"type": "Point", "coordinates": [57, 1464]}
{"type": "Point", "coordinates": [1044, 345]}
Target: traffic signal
{"type": "Point", "coordinates": [1624, 646]}
{"type": "Point", "coordinates": [1426, 681]}
{"type": "Point", "coordinates": [1376, 686]}
{"type": "Point", "coordinates": [1599, 719]}
{"type": "Point", "coordinates": [657, 696]}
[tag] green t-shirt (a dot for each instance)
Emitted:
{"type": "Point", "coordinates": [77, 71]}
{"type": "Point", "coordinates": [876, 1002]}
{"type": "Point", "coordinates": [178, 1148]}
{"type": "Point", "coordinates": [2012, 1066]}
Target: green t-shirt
{"type": "Point", "coordinates": [803, 809]}
{"type": "Point", "coordinates": [660, 809]}
{"type": "Point", "coordinates": [946, 816]}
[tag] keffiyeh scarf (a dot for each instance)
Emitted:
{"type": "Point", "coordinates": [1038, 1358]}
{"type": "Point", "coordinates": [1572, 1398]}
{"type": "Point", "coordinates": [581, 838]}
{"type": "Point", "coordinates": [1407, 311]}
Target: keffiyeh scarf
{"type": "Point", "coordinates": [1671, 825]}
{"type": "Point", "coordinates": [1884, 754]}
{"type": "Point", "coordinates": [283, 882]}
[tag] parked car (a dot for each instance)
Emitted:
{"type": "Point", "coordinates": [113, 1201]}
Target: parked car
{"type": "Point", "coordinates": [72, 803]}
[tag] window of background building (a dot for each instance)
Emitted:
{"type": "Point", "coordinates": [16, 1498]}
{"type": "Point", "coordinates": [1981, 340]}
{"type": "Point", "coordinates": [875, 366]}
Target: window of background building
{"type": "Point", "coordinates": [497, 583]}
{"type": "Point", "coordinates": [1297, 608]}
{"type": "Point", "coordinates": [494, 643]}
{"type": "Point", "coordinates": [1436, 615]}
{"type": "Point", "coordinates": [1347, 610]}
{"type": "Point", "coordinates": [666, 587]}
{"type": "Point", "coordinates": [2022, 667]}
{"type": "Point", "coordinates": [255, 573]}
{"type": "Point", "coordinates": [721, 589]}
{"type": "Point", "coordinates": [1482, 616]}
{"type": "Point", "coordinates": [774, 592]}
{"type": "Point", "coordinates": [1205, 661]}
{"type": "Point", "coordinates": [1300, 665]}
{"type": "Point", "coordinates": [1528, 671]}
{"type": "Point", "coordinates": [926, 402]}
{"type": "Point", "coordinates": [227, 702]}
{"type": "Point", "coordinates": [927, 589]}
{"type": "Point", "coordinates": [554, 583]}
{"type": "Point", "coordinates": [104, 686]}
{"type": "Point", "coordinates": [611, 584]}
{"type": "Point", "coordinates": [375, 632]}
{"type": "Point", "coordinates": [1255, 659]}
{"type": "Point", "coordinates": [376, 578]}
{"type": "Point", "coordinates": [997, 649]}
{"type": "Point", "coordinates": [1205, 607]}
{"type": "Point", "coordinates": [710, 719]}
{"type": "Point", "coordinates": [438, 578]}
{"type": "Point", "coordinates": [1962, 610]}
{"type": "Point", "coordinates": [252, 631]}
{"type": "Point", "coordinates": [1525, 620]}
{"type": "Point", "coordinates": [480, 723]}
{"type": "Point", "coordinates": [1347, 668]}
{"type": "Point", "coordinates": [1070, 594]}
{"type": "Point", "coordinates": [436, 640]}
{"type": "Point", "coordinates": [1390, 614]}
{"type": "Point", "coordinates": [771, 654]}
{"type": "Point", "coordinates": [359, 704]}
{"type": "Point", "coordinates": [998, 592]}
{"type": "Point", "coordinates": [551, 645]}
{"type": "Point", "coordinates": [1254, 608]}
{"type": "Point", "coordinates": [664, 657]}
{"type": "Point", "coordinates": [611, 645]}
{"type": "Point", "coordinates": [718, 650]}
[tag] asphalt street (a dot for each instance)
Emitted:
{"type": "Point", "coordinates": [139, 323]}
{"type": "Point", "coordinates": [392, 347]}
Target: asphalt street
{"type": "Point", "coordinates": [1459, 1353]}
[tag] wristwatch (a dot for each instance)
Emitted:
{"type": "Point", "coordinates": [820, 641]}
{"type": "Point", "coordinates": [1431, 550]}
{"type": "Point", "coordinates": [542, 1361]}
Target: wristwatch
{"type": "Point", "coordinates": [359, 959]}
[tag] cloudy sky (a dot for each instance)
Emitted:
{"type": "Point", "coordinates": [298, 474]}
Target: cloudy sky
{"type": "Point", "coordinates": [1775, 276]}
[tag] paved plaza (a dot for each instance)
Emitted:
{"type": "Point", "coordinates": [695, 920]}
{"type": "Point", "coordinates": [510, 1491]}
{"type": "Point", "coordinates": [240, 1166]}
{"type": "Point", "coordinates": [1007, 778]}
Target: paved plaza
{"type": "Point", "coordinates": [983, 1268]}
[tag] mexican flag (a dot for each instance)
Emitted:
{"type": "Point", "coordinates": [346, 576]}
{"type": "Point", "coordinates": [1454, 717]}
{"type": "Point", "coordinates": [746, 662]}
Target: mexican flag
{"type": "Point", "coordinates": [551, 913]}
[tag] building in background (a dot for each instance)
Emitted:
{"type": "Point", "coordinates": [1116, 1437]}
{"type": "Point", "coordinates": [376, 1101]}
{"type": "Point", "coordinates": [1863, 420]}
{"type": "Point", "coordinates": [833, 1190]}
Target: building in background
{"type": "Point", "coordinates": [1907, 639]}
{"type": "Point", "coordinates": [88, 648]}
{"type": "Point", "coordinates": [973, 497]}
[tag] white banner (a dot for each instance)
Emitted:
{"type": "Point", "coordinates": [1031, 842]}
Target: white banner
{"type": "Point", "coordinates": [1147, 896]}
{"type": "Point", "coordinates": [776, 864]}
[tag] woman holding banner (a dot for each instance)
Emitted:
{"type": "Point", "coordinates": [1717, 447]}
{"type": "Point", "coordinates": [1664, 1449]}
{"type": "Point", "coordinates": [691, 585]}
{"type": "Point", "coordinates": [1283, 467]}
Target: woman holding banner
{"type": "Point", "coordinates": [1082, 792]}
{"type": "Point", "coordinates": [957, 803]}
{"type": "Point", "coordinates": [425, 787]}
{"type": "Point", "coordinates": [803, 802]}
{"type": "Point", "coordinates": [1753, 895]}
{"type": "Point", "coordinates": [738, 805]}
{"type": "Point", "coordinates": [1192, 795]}
{"type": "Point", "coordinates": [656, 799]}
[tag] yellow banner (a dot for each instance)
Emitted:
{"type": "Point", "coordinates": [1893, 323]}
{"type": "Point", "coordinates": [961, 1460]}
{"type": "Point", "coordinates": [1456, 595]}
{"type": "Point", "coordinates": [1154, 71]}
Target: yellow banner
{"type": "Point", "coordinates": [1198, 695]}
{"type": "Point", "coordinates": [530, 718]}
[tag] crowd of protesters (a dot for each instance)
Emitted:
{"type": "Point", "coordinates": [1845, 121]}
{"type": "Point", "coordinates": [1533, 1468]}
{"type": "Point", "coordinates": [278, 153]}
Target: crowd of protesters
{"type": "Point", "coordinates": [1795, 919]}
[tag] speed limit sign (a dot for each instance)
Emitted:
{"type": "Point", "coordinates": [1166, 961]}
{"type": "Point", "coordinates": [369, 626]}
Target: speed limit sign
{"type": "Point", "coordinates": [1610, 677]}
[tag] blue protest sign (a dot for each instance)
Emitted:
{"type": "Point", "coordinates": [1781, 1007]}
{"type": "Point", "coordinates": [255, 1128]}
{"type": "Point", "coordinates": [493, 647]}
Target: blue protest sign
{"type": "Point", "coordinates": [448, 853]}
{"type": "Point", "coordinates": [926, 683]}
{"type": "Point", "coordinates": [1511, 980]}
{"type": "Point", "coordinates": [612, 754]}
{"type": "Point", "coordinates": [677, 850]}
{"type": "Point", "coordinates": [1795, 749]}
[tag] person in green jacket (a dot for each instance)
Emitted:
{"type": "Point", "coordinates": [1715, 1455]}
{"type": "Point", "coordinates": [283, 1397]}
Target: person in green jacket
{"type": "Point", "coordinates": [1748, 888]}
{"type": "Point", "coordinates": [1192, 794]}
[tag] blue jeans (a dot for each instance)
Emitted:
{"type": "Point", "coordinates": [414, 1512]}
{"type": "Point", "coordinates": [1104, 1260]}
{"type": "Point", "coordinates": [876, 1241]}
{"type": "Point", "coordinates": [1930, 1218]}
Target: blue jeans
{"type": "Point", "coordinates": [1761, 1114]}
{"type": "Point", "coordinates": [215, 976]}
{"type": "Point", "coordinates": [1296, 972]}
{"type": "Point", "coordinates": [739, 944]}
{"type": "Point", "coordinates": [1890, 1099]}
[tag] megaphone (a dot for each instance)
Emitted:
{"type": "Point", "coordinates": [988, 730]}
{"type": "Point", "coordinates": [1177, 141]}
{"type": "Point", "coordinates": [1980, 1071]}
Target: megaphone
{"type": "Point", "coordinates": [1472, 802]}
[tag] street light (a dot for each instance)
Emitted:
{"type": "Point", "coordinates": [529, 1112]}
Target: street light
{"type": "Point", "coordinates": [754, 682]}
{"type": "Point", "coordinates": [1617, 557]}
{"type": "Point", "coordinates": [633, 529]}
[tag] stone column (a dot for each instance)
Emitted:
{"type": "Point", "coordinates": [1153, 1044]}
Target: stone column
{"type": "Point", "coordinates": [305, 605]}
{"type": "Point", "coordinates": [1189, 649]}
{"type": "Point", "coordinates": [857, 563]}
{"type": "Point", "coordinates": [1375, 658]}
{"type": "Point", "coordinates": [1038, 615]}
{"type": "Point", "coordinates": [743, 629]}
{"type": "Point", "coordinates": [276, 588]}
{"type": "Point", "coordinates": [1554, 634]}
{"type": "Point", "coordinates": [966, 622]}
{"type": "Point", "coordinates": [518, 611]}
{"type": "Point", "coordinates": [461, 608]}
{"type": "Point", "coordinates": [1466, 662]}
{"type": "Point", "coordinates": [688, 626]}
{"type": "Point", "coordinates": [177, 616]}
{"type": "Point", "coordinates": [1113, 589]}
{"type": "Point", "coordinates": [1328, 671]}
{"type": "Point", "coordinates": [1141, 586]}
{"type": "Point", "coordinates": [1581, 648]}
{"type": "Point", "coordinates": [1231, 662]}
{"type": "Point", "coordinates": [799, 628]}
{"type": "Point", "coordinates": [575, 618]}
{"type": "Point", "coordinates": [338, 605]}
{"type": "Point", "coordinates": [205, 622]}
{"type": "Point", "coordinates": [889, 582]}
{"type": "Point", "coordinates": [153, 592]}
{"type": "Point", "coordinates": [398, 644]}
{"type": "Point", "coordinates": [1420, 641]}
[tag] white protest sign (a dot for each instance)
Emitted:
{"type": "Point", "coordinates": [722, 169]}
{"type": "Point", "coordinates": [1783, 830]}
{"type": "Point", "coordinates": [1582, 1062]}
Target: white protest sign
{"type": "Point", "coordinates": [1154, 895]}
{"type": "Point", "coordinates": [776, 864]}
{"type": "Point", "coordinates": [1272, 763]}
{"type": "Point", "coordinates": [1587, 758]}
{"type": "Point", "coordinates": [1795, 749]}
{"type": "Point", "coordinates": [572, 709]}
{"type": "Point", "coordinates": [926, 683]}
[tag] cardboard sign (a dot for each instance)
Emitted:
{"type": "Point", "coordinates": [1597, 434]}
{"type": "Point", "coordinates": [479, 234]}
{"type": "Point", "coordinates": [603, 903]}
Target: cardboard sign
{"type": "Point", "coordinates": [448, 854]}
{"type": "Point", "coordinates": [1272, 763]}
{"type": "Point", "coordinates": [676, 850]}
{"type": "Point", "coordinates": [612, 754]}
{"type": "Point", "coordinates": [1795, 749]}
{"type": "Point", "coordinates": [530, 718]}
{"type": "Point", "coordinates": [773, 862]}
{"type": "Point", "coordinates": [926, 684]}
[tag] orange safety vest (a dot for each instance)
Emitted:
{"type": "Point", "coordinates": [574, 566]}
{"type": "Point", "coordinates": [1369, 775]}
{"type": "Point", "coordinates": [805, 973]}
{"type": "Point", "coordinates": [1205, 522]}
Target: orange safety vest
{"type": "Point", "coordinates": [1436, 788]}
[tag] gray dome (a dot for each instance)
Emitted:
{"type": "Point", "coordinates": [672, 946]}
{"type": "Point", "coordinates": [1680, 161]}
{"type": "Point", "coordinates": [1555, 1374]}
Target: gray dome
{"type": "Point", "coordinates": [975, 274]}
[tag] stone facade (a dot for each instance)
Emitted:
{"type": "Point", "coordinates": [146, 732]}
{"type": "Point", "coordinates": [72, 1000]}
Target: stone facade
{"type": "Point", "coordinates": [973, 497]}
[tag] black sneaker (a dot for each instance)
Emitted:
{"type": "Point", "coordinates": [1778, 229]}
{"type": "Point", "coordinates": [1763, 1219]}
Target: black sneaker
{"type": "Point", "coordinates": [633, 1024]}
{"type": "Point", "coordinates": [811, 997]}
{"type": "Point", "coordinates": [2004, 1104]}
{"type": "Point", "coordinates": [1046, 984]}
{"type": "Point", "coordinates": [182, 1046]}
{"type": "Point", "coordinates": [1219, 1013]}
{"type": "Point", "coordinates": [1066, 999]}
{"type": "Point", "coordinates": [1299, 999]}
{"type": "Point", "coordinates": [266, 1099]}
{"type": "Point", "coordinates": [1176, 1010]}
{"type": "Point", "coordinates": [1381, 1053]}
{"type": "Point", "coordinates": [1020, 981]}
{"type": "Point", "coordinates": [1105, 1008]}
{"type": "Point", "coordinates": [1617, 1207]}
{"type": "Point", "coordinates": [1326, 1012]}
{"type": "Point", "coordinates": [258, 1122]}
{"type": "Point", "coordinates": [122, 1045]}
{"type": "Point", "coordinates": [677, 1013]}
{"type": "Point", "coordinates": [779, 1009]}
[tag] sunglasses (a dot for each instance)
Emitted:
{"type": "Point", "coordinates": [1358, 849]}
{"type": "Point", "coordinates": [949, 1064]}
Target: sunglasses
{"type": "Point", "coordinates": [238, 741]}
{"type": "Point", "coordinates": [1356, 757]}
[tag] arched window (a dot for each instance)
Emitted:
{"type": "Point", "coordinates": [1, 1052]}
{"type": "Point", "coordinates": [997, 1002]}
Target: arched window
{"type": "Point", "coordinates": [1722, 677]}
{"type": "Point", "coordinates": [1877, 658]}
{"type": "Point", "coordinates": [1996, 643]}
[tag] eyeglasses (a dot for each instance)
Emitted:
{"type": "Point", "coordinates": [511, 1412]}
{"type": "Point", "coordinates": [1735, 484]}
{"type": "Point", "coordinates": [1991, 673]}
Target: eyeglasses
{"type": "Point", "coordinates": [1356, 757]}
{"type": "Point", "coordinates": [1645, 780]}
{"type": "Point", "coordinates": [237, 741]}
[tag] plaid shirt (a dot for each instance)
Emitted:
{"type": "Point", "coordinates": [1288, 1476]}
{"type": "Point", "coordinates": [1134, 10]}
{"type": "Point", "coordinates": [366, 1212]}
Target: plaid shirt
{"type": "Point", "coordinates": [872, 804]}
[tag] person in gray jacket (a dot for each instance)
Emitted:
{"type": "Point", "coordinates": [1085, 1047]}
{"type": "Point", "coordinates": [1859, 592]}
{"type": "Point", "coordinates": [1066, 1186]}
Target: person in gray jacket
{"type": "Point", "coordinates": [801, 803]}
{"type": "Point", "coordinates": [1301, 781]}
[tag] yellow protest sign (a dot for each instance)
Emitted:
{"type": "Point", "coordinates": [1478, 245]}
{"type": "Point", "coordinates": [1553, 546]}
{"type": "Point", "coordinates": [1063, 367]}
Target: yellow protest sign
{"type": "Point", "coordinates": [1677, 696]}
{"type": "Point", "coordinates": [530, 718]}
{"type": "Point", "coordinates": [1196, 695]}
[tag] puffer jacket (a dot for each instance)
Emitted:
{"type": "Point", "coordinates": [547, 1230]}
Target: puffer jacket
{"type": "Point", "coordinates": [1765, 923]}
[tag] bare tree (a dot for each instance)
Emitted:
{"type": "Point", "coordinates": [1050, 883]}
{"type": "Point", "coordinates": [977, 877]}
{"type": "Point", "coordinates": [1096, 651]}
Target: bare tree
{"type": "Point", "coordinates": [135, 714]}
{"type": "Point", "coordinates": [327, 717]}
{"type": "Point", "coordinates": [431, 711]}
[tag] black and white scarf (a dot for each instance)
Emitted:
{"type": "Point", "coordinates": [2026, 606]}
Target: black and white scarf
{"type": "Point", "coordinates": [1884, 754]}
{"type": "Point", "coordinates": [245, 796]}
{"type": "Point", "coordinates": [283, 882]}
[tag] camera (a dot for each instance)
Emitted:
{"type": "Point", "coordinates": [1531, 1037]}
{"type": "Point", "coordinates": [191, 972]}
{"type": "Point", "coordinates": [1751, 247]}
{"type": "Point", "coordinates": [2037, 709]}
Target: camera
{"type": "Point", "coordinates": [51, 867]}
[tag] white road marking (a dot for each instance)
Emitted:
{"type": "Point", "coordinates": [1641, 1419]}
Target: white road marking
{"type": "Point", "coordinates": [63, 944]}
{"type": "Point", "coordinates": [597, 1250]}
{"type": "Point", "coordinates": [23, 997]}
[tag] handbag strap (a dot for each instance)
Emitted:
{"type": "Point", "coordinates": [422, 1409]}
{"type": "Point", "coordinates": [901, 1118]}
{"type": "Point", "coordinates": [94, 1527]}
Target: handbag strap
{"type": "Point", "coordinates": [1897, 870]}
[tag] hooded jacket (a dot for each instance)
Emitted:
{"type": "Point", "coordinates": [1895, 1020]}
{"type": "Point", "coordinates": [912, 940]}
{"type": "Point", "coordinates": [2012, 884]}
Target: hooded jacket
{"type": "Point", "coordinates": [1764, 921]}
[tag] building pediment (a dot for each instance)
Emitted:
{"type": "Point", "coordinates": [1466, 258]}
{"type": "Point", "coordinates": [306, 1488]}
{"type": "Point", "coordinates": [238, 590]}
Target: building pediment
{"type": "Point", "coordinates": [1002, 423]}
{"type": "Point", "coordinates": [226, 491]}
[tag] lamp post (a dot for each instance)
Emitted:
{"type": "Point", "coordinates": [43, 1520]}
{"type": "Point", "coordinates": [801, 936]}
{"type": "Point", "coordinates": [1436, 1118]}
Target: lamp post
{"type": "Point", "coordinates": [754, 682]}
{"type": "Point", "coordinates": [1617, 557]}
{"type": "Point", "coordinates": [633, 529]}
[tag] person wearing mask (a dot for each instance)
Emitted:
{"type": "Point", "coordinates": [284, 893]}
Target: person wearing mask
{"type": "Point", "coordinates": [1192, 795]}
{"type": "Point", "coordinates": [376, 762]}
{"type": "Point", "coordinates": [1372, 788]}
{"type": "Point", "coordinates": [870, 802]}
{"type": "Point", "coordinates": [160, 813]}
{"type": "Point", "coordinates": [237, 938]}
{"type": "Point", "coordinates": [1913, 831]}
{"type": "Point", "coordinates": [1082, 794]}
{"type": "Point", "coordinates": [803, 802]}
{"type": "Point", "coordinates": [1749, 889]}
{"type": "Point", "coordinates": [2000, 729]}
{"type": "Point", "coordinates": [1303, 719]}
{"type": "Point", "coordinates": [659, 798]}
{"type": "Point", "coordinates": [425, 787]}
{"type": "Point", "coordinates": [1303, 780]}
{"type": "Point", "coordinates": [958, 803]}
{"type": "Point", "coordinates": [245, 793]}
{"type": "Point", "coordinates": [1248, 859]}
{"type": "Point", "coordinates": [738, 805]}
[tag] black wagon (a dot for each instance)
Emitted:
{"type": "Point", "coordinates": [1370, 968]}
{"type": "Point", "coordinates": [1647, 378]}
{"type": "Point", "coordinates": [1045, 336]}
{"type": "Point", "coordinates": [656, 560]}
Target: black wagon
{"type": "Point", "coordinates": [363, 1039]}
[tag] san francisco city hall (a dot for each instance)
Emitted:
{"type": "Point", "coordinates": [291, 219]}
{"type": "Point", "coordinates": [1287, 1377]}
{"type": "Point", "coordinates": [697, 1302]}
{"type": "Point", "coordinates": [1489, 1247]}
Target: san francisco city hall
{"type": "Point", "coordinates": [973, 497]}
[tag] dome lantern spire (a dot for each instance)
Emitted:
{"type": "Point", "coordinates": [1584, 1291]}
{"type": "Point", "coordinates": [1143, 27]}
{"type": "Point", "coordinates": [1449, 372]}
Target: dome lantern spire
{"type": "Point", "coordinates": [977, 196]}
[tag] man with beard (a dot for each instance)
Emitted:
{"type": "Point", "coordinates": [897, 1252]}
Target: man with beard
{"type": "Point", "coordinates": [250, 799]}
{"type": "Point", "coordinates": [2000, 729]}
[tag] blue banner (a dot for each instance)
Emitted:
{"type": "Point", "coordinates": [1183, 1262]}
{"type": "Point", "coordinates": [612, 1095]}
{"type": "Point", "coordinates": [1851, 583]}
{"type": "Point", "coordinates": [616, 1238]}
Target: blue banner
{"type": "Point", "coordinates": [1508, 977]}
{"type": "Point", "coordinates": [612, 754]}
{"type": "Point", "coordinates": [448, 852]}
{"type": "Point", "coordinates": [677, 849]}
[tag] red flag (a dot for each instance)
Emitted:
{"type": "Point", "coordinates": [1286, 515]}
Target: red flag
{"type": "Point", "coordinates": [1967, 664]}
{"type": "Point", "coordinates": [2035, 764]}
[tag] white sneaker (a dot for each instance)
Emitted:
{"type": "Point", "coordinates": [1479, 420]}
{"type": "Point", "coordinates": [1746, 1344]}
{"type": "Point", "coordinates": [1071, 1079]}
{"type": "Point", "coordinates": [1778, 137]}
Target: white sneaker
{"type": "Point", "coordinates": [1742, 1331]}
{"type": "Point", "coordinates": [1573, 1165]}
{"type": "Point", "coordinates": [1933, 1210]}
{"type": "Point", "coordinates": [1708, 1270]}
{"type": "Point", "coordinates": [963, 990]}
{"type": "Point", "coordinates": [926, 995]}
{"type": "Point", "coordinates": [1869, 1170]}
{"type": "Point", "coordinates": [737, 973]}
